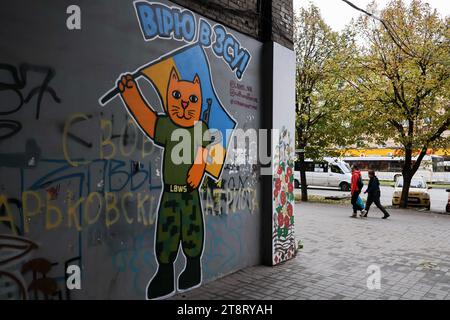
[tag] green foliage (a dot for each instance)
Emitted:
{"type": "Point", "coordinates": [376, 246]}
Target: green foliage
{"type": "Point", "coordinates": [399, 79]}
{"type": "Point", "coordinates": [400, 75]}
{"type": "Point", "coordinates": [384, 78]}
{"type": "Point", "coordinates": [322, 120]}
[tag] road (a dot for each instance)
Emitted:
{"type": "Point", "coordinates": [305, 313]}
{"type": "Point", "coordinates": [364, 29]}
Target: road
{"type": "Point", "coordinates": [438, 196]}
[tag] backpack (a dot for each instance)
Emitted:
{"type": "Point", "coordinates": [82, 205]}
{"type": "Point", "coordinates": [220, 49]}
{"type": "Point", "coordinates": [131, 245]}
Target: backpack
{"type": "Point", "coordinates": [360, 183]}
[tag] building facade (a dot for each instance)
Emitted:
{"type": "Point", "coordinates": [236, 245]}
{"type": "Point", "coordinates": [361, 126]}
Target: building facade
{"type": "Point", "coordinates": [92, 94]}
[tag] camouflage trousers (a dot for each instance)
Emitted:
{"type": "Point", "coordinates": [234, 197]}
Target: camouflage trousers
{"type": "Point", "coordinates": [180, 219]}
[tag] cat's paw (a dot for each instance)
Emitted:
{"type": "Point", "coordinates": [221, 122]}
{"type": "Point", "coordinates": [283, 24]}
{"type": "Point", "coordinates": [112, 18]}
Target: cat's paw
{"type": "Point", "coordinates": [126, 82]}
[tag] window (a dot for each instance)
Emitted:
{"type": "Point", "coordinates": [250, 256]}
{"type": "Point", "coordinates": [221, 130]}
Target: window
{"type": "Point", "coordinates": [378, 165]}
{"type": "Point", "coordinates": [438, 164]}
{"type": "Point", "coordinates": [321, 167]}
{"type": "Point", "coordinates": [335, 169]}
{"type": "Point", "coordinates": [446, 166]}
{"type": "Point", "coordinates": [383, 166]}
{"type": "Point", "coordinates": [347, 167]}
{"type": "Point", "coordinates": [309, 166]}
{"type": "Point", "coordinates": [363, 165]}
{"type": "Point", "coordinates": [415, 183]}
{"type": "Point", "coordinates": [395, 166]}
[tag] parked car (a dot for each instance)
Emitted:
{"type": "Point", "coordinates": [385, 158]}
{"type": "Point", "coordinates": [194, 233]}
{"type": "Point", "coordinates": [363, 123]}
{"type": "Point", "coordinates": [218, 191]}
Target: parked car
{"type": "Point", "coordinates": [418, 193]}
{"type": "Point", "coordinates": [327, 173]}
{"type": "Point", "coordinates": [448, 203]}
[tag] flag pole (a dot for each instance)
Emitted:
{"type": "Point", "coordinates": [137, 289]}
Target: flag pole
{"type": "Point", "coordinates": [115, 91]}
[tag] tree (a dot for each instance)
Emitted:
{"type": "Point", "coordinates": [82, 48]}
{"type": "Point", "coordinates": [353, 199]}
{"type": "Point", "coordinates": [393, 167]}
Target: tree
{"type": "Point", "coordinates": [401, 80]}
{"type": "Point", "coordinates": [320, 55]}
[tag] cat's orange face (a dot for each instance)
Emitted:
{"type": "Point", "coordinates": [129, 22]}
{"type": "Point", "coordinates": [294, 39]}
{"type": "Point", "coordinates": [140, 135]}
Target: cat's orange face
{"type": "Point", "coordinates": [184, 100]}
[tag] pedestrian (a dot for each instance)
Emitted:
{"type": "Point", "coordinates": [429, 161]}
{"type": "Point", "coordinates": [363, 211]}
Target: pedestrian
{"type": "Point", "coordinates": [374, 193]}
{"type": "Point", "coordinates": [355, 189]}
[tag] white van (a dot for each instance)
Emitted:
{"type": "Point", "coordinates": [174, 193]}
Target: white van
{"type": "Point", "coordinates": [327, 173]}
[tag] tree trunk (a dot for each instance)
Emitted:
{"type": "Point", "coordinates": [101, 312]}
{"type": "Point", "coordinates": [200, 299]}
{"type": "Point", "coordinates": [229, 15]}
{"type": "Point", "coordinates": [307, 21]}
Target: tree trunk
{"type": "Point", "coordinates": [409, 170]}
{"type": "Point", "coordinates": [405, 189]}
{"type": "Point", "coordinates": [407, 173]}
{"type": "Point", "coordinates": [303, 182]}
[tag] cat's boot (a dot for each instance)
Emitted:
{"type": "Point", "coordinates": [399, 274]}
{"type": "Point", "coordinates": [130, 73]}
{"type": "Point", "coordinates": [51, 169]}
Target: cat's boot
{"type": "Point", "coordinates": [192, 274]}
{"type": "Point", "coordinates": [162, 283]}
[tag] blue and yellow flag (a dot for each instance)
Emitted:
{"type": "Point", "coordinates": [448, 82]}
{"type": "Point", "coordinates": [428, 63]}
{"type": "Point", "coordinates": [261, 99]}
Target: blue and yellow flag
{"type": "Point", "coordinates": [189, 61]}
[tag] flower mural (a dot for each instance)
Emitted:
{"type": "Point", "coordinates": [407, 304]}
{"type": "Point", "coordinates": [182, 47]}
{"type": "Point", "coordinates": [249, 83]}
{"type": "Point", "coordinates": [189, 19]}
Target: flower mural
{"type": "Point", "coordinates": [283, 199]}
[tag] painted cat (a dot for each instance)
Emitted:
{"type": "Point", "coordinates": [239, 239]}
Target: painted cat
{"type": "Point", "coordinates": [180, 216]}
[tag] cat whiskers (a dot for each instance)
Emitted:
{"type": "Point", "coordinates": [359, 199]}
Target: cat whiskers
{"type": "Point", "coordinates": [174, 111]}
{"type": "Point", "coordinates": [179, 113]}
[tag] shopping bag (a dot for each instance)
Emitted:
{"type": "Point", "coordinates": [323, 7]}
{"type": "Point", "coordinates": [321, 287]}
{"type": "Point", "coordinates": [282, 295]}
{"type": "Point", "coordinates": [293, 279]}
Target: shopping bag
{"type": "Point", "coordinates": [360, 203]}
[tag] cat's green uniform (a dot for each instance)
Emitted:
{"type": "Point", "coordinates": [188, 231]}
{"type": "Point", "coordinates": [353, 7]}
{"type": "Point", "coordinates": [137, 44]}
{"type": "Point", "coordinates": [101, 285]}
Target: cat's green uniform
{"type": "Point", "coordinates": [180, 216]}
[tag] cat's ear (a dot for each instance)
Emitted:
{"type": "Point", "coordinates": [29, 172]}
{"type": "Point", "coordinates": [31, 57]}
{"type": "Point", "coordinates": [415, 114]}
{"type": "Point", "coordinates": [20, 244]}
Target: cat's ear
{"type": "Point", "coordinates": [174, 75]}
{"type": "Point", "coordinates": [196, 79]}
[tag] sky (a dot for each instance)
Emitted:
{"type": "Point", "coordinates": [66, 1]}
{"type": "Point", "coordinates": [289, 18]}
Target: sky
{"type": "Point", "coordinates": [337, 13]}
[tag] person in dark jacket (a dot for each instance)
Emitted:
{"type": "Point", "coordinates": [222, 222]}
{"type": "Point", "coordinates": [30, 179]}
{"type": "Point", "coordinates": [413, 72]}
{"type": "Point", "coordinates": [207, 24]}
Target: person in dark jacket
{"type": "Point", "coordinates": [374, 193]}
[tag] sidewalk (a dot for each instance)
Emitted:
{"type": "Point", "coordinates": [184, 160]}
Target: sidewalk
{"type": "Point", "coordinates": [411, 248]}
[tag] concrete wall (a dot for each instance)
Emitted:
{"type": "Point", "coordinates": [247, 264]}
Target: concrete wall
{"type": "Point", "coordinates": [283, 151]}
{"type": "Point", "coordinates": [80, 183]}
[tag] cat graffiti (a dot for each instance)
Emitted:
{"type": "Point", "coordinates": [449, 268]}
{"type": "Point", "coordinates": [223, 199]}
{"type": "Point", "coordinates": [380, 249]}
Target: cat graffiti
{"type": "Point", "coordinates": [180, 216]}
{"type": "Point", "coordinates": [183, 82]}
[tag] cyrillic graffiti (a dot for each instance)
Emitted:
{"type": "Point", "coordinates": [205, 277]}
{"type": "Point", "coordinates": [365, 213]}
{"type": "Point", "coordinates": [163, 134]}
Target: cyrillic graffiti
{"type": "Point", "coordinates": [220, 201]}
{"type": "Point", "coordinates": [108, 208]}
{"type": "Point", "coordinates": [160, 21]}
{"type": "Point", "coordinates": [109, 148]}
